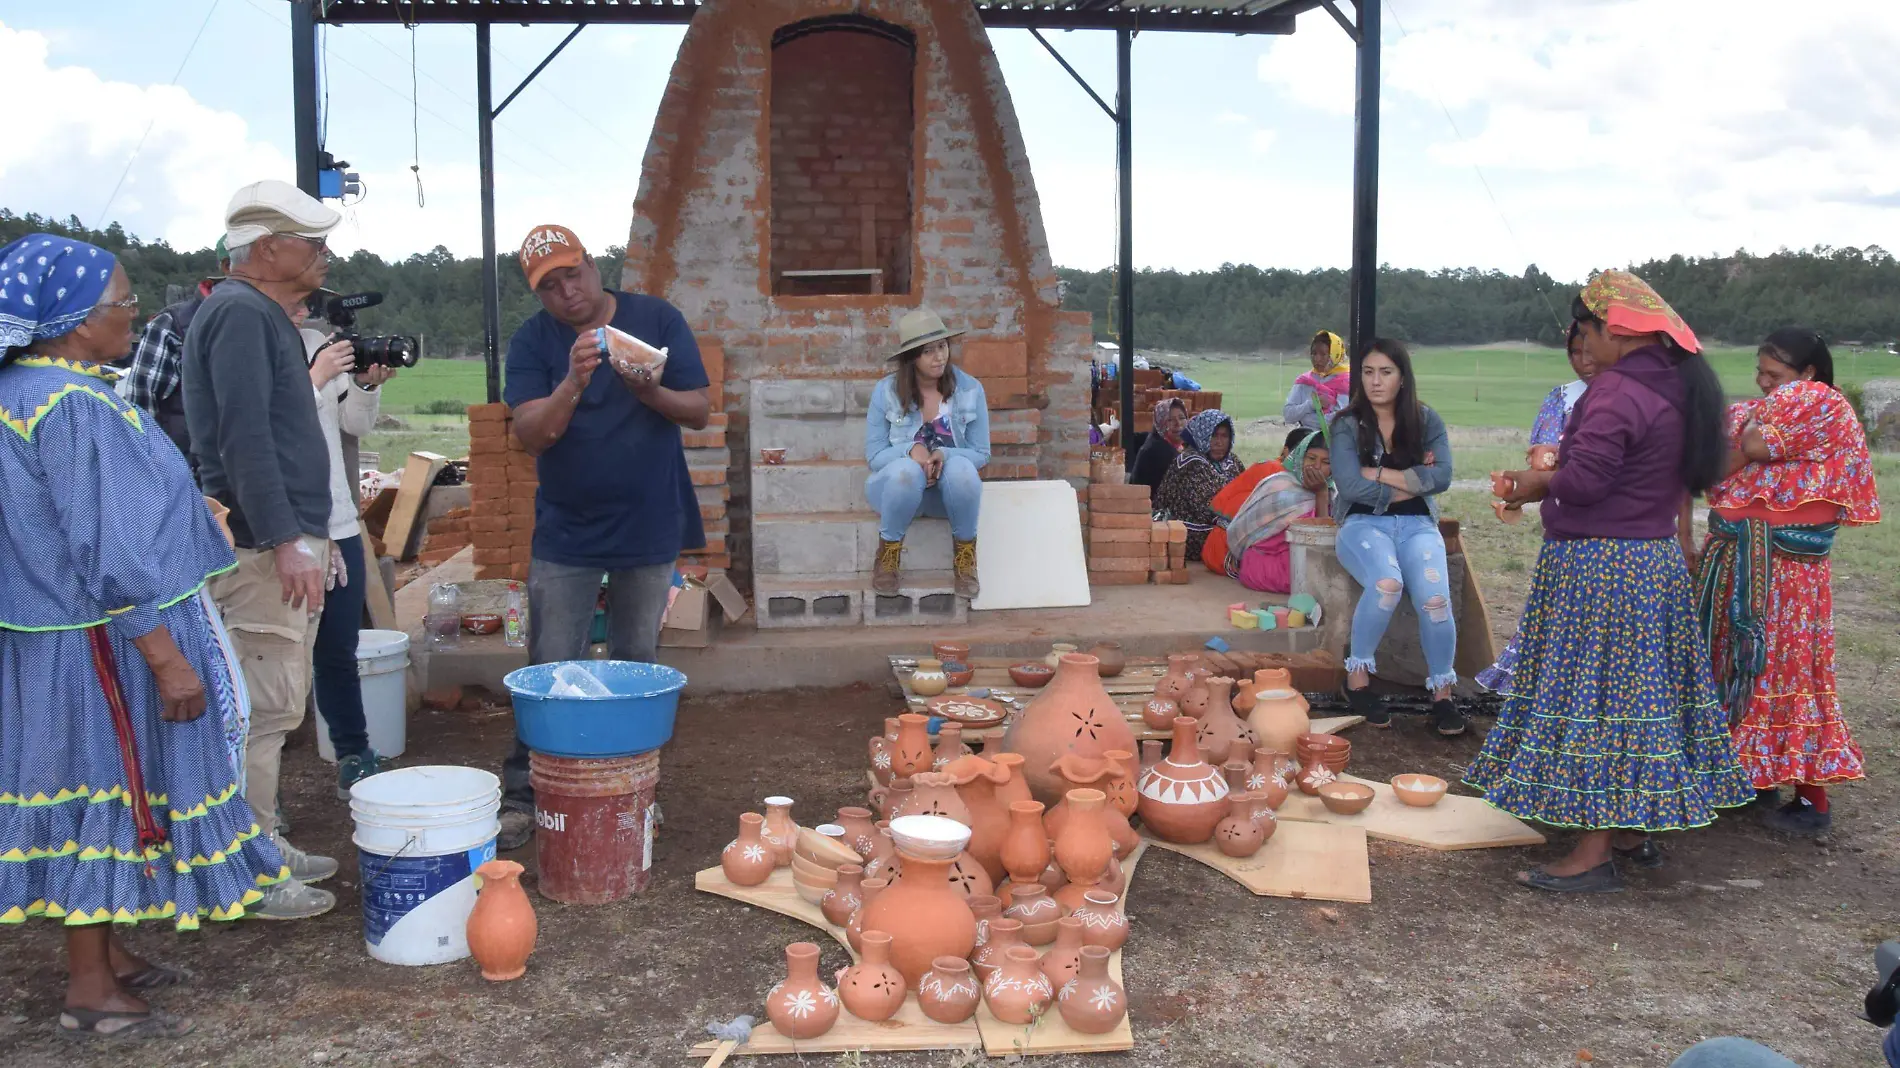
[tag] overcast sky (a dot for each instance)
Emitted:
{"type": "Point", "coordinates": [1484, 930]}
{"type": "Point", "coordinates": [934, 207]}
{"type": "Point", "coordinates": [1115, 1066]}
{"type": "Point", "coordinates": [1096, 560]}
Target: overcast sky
{"type": "Point", "coordinates": [1568, 133]}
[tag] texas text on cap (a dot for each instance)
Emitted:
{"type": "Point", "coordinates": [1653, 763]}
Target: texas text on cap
{"type": "Point", "coordinates": [273, 207]}
{"type": "Point", "coordinates": [548, 247]}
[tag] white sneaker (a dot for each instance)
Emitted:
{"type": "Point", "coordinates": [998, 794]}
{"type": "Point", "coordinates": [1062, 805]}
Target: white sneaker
{"type": "Point", "coordinates": [292, 900]}
{"type": "Point", "coordinates": [304, 867]}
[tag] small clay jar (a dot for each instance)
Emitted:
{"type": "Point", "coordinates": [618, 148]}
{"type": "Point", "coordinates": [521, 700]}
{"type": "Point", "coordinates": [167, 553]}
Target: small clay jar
{"type": "Point", "coordinates": [854, 929]}
{"type": "Point", "coordinates": [1223, 735]}
{"type": "Point", "coordinates": [1037, 910]}
{"type": "Point", "coordinates": [1175, 683]}
{"type": "Point", "coordinates": [946, 651]}
{"type": "Point", "coordinates": [985, 907]}
{"type": "Point", "coordinates": [883, 862]}
{"type": "Point", "coordinates": [1057, 652]}
{"type": "Point", "coordinates": [746, 860]}
{"type": "Point", "coordinates": [872, 989]}
{"type": "Point", "coordinates": [1018, 992]}
{"type": "Point", "coordinates": [928, 680]}
{"type": "Point", "coordinates": [501, 927]}
{"type": "Point", "coordinates": [860, 830]}
{"type": "Point", "coordinates": [1004, 932]}
{"type": "Point", "coordinates": [1263, 817]}
{"type": "Point", "coordinates": [780, 833]}
{"type": "Point", "coordinates": [844, 898]}
{"type": "Point", "coordinates": [1159, 713]}
{"type": "Point", "coordinates": [1103, 924]}
{"type": "Point", "coordinates": [1315, 775]}
{"type": "Point", "coordinates": [1120, 783]}
{"type": "Point", "coordinates": [880, 749]}
{"type": "Point", "coordinates": [800, 1006]}
{"type": "Point", "coordinates": [1151, 753]}
{"type": "Point", "coordinates": [890, 798]}
{"type": "Point", "coordinates": [1084, 846]}
{"type": "Point", "coordinates": [1236, 835]}
{"type": "Point", "coordinates": [949, 991]}
{"type": "Point", "coordinates": [1053, 877]}
{"type": "Point", "coordinates": [949, 746]}
{"type": "Point", "coordinates": [1269, 775]}
{"type": "Point", "coordinates": [1113, 659]}
{"type": "Point", "coordinates": [1061, 960]}
{"type": "Point", "coordinates": [910, 751]}
{"type": "Point", "coordinates": [1194, 702]}
{"type": "Point", "coordinates": [1026, 848]}
{"type": "Point", "coordinates": [1092, 1003]}
{"type": "Point", "coordinates": [1237, 772]}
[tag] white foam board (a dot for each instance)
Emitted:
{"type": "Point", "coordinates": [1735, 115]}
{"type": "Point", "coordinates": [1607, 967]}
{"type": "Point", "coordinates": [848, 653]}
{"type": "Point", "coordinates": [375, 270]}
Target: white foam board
{"type": "Point", "coordinates": [1029, 547]}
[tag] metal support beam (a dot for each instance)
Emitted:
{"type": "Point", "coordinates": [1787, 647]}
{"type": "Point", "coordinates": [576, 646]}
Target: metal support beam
{"type": "Point", "coordinates": [1365, 184]}
{"type": "Point", "coordinates": [491, 278]}
{"type": "Point", "coordinates": [304, 90]}
{"type": "Point", "coordinates": [1340, 17]}
{"type": "Point", "coordinates": [1073, 73]}
{"type": "Point", "coordinates": [1125, 258]}
{"type": "Point", "coordinates": [539, 67]}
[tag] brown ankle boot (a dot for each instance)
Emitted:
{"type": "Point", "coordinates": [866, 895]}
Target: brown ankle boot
{"type": "Point", "coordinates": [890, 560]}
{"type": "Point", "coordinates": [966, 569]}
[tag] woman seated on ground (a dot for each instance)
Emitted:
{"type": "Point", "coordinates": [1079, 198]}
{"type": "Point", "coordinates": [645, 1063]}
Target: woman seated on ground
{"type": "Point", "coordinates": [1206, 463]}
{"type": "Point", "coordinates": [1161, 446]}
{"type": "Point", "coordinates": [1320, 394]}
{"type": "Point", "coordinates": [926, 437]}
{"type": "Point", "coordinates": [1256, 553]}
{"type": "Point", "coordinates": [1228, 501]}
{"type": "Point", "coordinates": [1393, 461]}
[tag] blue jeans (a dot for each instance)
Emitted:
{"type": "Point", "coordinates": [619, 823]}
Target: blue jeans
{"type": "Point", "coordinates": [899, 495]}
{"type": "Point", "coordinates": [1730, 1053]}
{"type": "Point", "coordinates": [333, 658]}
{"type": "Point", "coordinates": [1392, 555]}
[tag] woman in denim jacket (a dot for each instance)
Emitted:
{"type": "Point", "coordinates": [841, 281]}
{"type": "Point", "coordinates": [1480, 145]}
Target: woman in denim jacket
{"type": "Point", "coordinates": [926, 437]}
{"type": "Point", "coordinates": [1387, 510]}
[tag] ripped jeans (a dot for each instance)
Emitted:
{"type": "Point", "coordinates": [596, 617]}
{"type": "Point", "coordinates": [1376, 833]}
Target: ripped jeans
{"type": "Point", "coordinates": [1392, 555]}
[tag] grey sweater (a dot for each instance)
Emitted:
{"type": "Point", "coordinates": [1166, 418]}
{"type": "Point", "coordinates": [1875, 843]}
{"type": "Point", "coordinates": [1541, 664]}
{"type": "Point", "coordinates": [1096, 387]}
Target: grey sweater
{"type": "Point", "coordinates": [253, 419]}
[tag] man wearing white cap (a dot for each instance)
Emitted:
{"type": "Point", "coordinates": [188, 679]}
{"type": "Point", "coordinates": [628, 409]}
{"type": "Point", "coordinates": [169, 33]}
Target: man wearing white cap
{"type": "Point", "coordinates": [261, 452]}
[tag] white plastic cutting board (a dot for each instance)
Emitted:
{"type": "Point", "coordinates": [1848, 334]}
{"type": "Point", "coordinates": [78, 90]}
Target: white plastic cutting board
{"type": "Point", "coordinates": [1029, 547]}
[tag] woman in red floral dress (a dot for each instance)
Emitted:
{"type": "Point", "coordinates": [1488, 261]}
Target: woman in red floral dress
{"type": "Point", "coordinates": [1799, 471]}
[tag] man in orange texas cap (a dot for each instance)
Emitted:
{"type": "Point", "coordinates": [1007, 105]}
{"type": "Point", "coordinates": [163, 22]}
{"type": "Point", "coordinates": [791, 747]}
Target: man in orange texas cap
{"type": "Point", "coordinates": [615, 500]}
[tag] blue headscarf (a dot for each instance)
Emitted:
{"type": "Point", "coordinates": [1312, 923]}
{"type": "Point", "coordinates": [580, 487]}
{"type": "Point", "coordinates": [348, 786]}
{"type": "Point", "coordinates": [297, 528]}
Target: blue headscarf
{"type": "Point", "coordinates": [1198, 436]}
{"type": "Point", "coordinates": [48, 285]}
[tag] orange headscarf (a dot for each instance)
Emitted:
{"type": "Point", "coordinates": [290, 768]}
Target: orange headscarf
{"type": "Point", "coordinates": [1627, 305]}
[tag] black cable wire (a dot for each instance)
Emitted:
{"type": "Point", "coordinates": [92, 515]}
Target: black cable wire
{"type": "Point", "coordinates": [100, 222]}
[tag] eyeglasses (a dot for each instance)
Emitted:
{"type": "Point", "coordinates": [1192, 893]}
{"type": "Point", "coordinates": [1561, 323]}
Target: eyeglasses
{"type": "Point", "coordinates": [129, 302]}
{"type": "Point", "coordinates": [321, 244]}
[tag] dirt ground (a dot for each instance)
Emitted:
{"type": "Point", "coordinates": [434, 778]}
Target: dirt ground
{"type": "Point", "coordinates": [1451, 965]}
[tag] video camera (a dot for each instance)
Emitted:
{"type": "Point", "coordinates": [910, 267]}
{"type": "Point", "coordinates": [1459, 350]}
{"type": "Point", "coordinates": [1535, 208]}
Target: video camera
{"type": "Point", "coordinates": [390, 350]}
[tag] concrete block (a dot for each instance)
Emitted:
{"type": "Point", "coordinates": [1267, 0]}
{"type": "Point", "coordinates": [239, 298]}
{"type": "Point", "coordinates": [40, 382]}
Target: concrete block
{"type": "Point", "coordinates": [794, 488]}
{"type": "Point", "coordinates": [927, 545]}
{"type": "Point", "coordinates": [857, 395]}
{"type": "Point", "coordinates": [810, 545]}
{"type": "Point", "coordinates": [924, 598]}
{"type": "Point", "coordinates": [797, 396]}
{"type": "Point", "coordinates": [810, 437]}
{"type": "Point", "coordinates": [800, 602]}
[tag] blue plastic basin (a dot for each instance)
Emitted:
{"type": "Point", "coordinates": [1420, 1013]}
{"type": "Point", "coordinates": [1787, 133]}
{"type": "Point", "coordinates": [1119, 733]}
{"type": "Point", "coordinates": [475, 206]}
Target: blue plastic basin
{"type": "Point", "coordinates": [637, 718]}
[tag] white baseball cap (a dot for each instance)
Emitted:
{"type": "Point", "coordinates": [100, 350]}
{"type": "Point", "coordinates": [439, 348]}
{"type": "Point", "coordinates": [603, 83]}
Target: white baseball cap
{"type": "Point", "coordinates": [273, 207]}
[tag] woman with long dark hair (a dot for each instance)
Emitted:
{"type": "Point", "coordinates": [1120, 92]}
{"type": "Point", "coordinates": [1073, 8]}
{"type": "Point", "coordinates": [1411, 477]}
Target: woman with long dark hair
{"type": "Point", "coordinates": [1613, 725]}
{"type": "Point", "coordinates": [1391, 460]}
{"type": "Point", "coordinates": [1798, 471]}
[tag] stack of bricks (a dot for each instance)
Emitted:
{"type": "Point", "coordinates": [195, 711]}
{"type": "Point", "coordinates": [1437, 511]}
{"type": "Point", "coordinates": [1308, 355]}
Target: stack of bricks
{"type": "Point", "coordinates": [502, 483]}
{"type": "Point", "coordinates": [1002, 365]}
{"type": "Point", "coordinates": [707, 461]}
{"type": "Point", "coordinates": [447, 535]}
{"type": "Point", "coordinates": [1120, 534]}
{"type": "Point", "coordinates": [1167, 552]}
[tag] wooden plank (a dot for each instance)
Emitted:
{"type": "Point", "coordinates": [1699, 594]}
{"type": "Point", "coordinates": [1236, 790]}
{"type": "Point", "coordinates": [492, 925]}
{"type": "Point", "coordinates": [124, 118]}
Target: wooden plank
{"type": "Point", "coordinates": [1477, 645]}
{"type": "Point", "coordinates": [418, 476]}
{"type": "Point", "coordinates": [910, 1029]}
{"type": "Point", "coordinates": [1454, 823]}
{"type": "Point", "coordinates": [382, 607]}
{"type": "Point", "coordinates": [1300, 861]}
{"type": "Point", "coordinates": [776, 894]}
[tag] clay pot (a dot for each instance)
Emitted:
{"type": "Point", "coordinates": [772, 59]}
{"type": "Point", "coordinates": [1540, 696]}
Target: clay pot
{"type": "Point", "coordinates": [1542, 457]}
{"type": "Point", "coordinates": [1114, 880]}
{"type": "Point", "coordinates": [1120, 784]}
{"type": "Point", "coordinates": [1419, 791]}
{"type": "Point", "coordinates": [1345, 798]}
{"type": "Point", "coordinates": [1062, 959]}
{"type": "Point", "coordinates": [854, 929]}
{"type": "Point", "coordinates": [1502, 484]}
{"type": "Point", "coordinates": [891, 798]}
{"type": "Point", "coordinates": [1092, 1003]}
{"type": "Point", "coordinates": [872, 989]}
{"type": "Point", "coordinates": [1279, 715]}
{"type": "Point", "coordinates": [1268, 777]}
{"type": "Point", "coordinates": [949, 992]}
{"type": "Point", "coordinates": [910, 750]}
{"type": "Point", "coordinates": [1183, 797]}
{"type": "Point", "coordinates": [969, 878]}
{"type": "Point", "coordinates": [1018, 992]}
{"type": "Point", "coordinates": [949, 746]}
{"type": "Point", "coordinates": [1103, 924]}
{"type": "Point", "coordinates": [1032, 905]}
{"type": "Point", "coordinates": [986, 908]}
{"type": "Point", "coordinates": [951, 652]}
{"type": "Point", "coordinates": [1107, 774]}
{"type": "Point", "coordinates": [1150, 756]}
{"type": "Point", "coordinates": [1074, 714]}
{"type": "Point", "coordinates": [1159, 713]}
{"type": "Point", "coordinates": [800, 1006]}
{"type": "Point", "coordinates": [883, 854]}
{"type": "Point", "coordinates": [1031, 676]}
{"type": "Point", "coordinates": [1026, 850]}
{"type": "Point", "coordinates": [1004, 932]}
{"type": "Point", "coordinates": [501, 927]}
{"type": "Point", "coordinates": [1083, 847]}
{"type": "Point", "coordinates": [1111, 659]}
{"type": "Point", "coordinates": [1016, 788]}
{"type": "Point", "coordinates": [1195, 699]}
{"type": "Point", "coordinates": [1237, 835]}
{"type": "Point", "coordinates": [928, 680]}
{"type": "Point", "coordinates": [1056, 652]}
{"type": "Point", "coordinates": [746, 860]}
{"type": "Point", "coordinates": [780, 833]}
{"type": "Point", "coordinates": [844, 898]}
{"type": "Point", "coordinates": [958, 673]}
{"type": "Point", "coordinates": [927, 917]}
{"type": "Point", "coordinates": [1237, 772]}
{"type": "Point", "coordinates": [976, 782]}
{"type": "Point", "coordinates": [1315, 774]}
{"type": "Point", "coordinates": [1223, 735]}
{"type": "Point", "coordinates": [934, 794]}
{"type": "Point", "coordinates": [1175, 683]}
{"type": "Point", "coordinates": [881, 752]}
{"type": "Point", "coordinates": [860, 831]}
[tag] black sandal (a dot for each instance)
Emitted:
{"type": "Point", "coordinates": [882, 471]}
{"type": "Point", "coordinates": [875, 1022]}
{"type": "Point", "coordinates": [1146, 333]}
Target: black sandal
{"type": "Point", "coordinates": [1646, 854]}
{"type": "Point", "coordinates": [1601, 879]}
{"type": "Point", "coordinates": [154, 976]}
{"type": "Point", "coordinates": [126, 1026]}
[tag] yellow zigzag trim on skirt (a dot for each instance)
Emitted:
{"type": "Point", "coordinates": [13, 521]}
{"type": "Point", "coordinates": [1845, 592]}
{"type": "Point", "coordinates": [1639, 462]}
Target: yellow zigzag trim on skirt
{"type": "Point", "coordinates": [169, 910]}
{"type": "Point", "coordinates": [118, 793]}
{"type": "Point", "coordinates": [16, 855]}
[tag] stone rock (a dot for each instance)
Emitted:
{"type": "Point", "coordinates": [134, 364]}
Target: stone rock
{"type": "Point", "coordinates": [1880, 412]}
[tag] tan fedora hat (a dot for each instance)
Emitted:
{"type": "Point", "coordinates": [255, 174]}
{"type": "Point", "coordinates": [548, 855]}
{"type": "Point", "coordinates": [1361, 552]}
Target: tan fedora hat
{"type": "Point", "coordinates": [919, 328]}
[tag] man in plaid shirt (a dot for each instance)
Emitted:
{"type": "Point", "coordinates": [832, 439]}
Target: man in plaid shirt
{"type": "Point", "coordinates": [151, 377]}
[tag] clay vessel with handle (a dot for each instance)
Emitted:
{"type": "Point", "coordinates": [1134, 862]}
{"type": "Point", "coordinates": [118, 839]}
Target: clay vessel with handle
{"type": "Point", "coordinates": [910, 751]}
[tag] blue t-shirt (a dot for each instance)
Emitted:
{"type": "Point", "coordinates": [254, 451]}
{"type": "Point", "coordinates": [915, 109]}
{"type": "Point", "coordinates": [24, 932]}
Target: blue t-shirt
{"type": "Point", "coordinates": [614, 489]}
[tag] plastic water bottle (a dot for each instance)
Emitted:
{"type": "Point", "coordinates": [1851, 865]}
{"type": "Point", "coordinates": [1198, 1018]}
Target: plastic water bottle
{"type": "Point", "coordinates": [511, 628]}
{"type": "Point", "coordinates": [443, 623]}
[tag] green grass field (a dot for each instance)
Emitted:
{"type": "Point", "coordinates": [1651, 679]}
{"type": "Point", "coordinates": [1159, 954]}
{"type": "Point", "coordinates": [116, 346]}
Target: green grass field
{"type": "Point", "coordinates": [464, 381]}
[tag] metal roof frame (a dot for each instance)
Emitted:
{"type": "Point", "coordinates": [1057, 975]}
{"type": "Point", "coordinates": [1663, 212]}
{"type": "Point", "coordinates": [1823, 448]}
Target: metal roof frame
{"type": "Point", "coordinates": [1207, 16]}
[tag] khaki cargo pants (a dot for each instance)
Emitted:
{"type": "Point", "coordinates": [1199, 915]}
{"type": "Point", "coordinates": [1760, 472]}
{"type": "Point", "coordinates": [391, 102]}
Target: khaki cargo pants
{"type": "Point", "coordinates": [274, 643]}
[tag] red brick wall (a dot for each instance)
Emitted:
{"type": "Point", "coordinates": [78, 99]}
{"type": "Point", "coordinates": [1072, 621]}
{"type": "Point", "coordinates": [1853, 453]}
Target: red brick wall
{"type": "Point", "coordinates": [841, 132]}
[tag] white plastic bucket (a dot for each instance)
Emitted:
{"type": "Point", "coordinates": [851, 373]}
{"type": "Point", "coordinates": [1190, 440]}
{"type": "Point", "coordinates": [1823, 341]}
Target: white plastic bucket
{"type": "Point", "coordinates": [382, 663]}
{"type": "Point", "coordinates": [420, 835]}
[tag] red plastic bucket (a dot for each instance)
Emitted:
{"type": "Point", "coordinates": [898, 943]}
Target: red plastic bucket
{"type": "Point", "coordinates": [594, 825]}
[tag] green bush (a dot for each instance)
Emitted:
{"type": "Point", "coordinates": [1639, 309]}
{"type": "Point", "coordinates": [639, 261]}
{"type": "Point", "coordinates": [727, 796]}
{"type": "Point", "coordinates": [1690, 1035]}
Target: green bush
{"type": "Point", "coordinates": [442, 406]}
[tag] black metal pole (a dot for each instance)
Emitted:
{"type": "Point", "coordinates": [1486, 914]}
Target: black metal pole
{"type": "Point", "coordinates": [303, 95]}
{"type": "Point", "coordinates": [1365, 183]}
{"type": "Point", "coordinates": [1125, 258]}
{"type": "Point", "coordinates": [491, 278]}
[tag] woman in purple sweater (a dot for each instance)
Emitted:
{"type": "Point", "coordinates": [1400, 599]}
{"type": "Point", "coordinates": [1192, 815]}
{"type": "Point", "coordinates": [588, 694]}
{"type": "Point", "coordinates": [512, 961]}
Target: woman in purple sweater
{"type": "Point", "coordinates": [1614, 726]}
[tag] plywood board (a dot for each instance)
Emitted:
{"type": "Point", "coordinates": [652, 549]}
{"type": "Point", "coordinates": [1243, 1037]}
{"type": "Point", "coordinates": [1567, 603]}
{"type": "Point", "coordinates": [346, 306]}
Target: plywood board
{"type": "Point", "coordinates": [418, 477]}
{"type": "Point", "coordinates": [1477, 647]}
{"type": "Point", "coordinates": [1032, 555]}
{"type": "Point", "coordinates": [382, 609]}
{"type": "Point", "coordinates": [1312, 861]}
{"type": "Point", "coordinates": [910, 1029]}
{"type": "Point", "coordinates": [1454, 823]}
{"type": "Point", "coordinates": [776, 894]}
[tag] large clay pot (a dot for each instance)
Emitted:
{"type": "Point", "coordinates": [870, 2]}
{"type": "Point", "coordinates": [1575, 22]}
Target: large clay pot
{"type": "Point", "coordinates": [1016, 788]}
{"type": "Point", "coordinates": [1103, 922]}
{"type": "Point", "coordinates": [1183, 796]}
{"type": "Point", "coordinates": [1107, 775]}
{"type": "Point", "coordinates": [1032, 905]}
{"type": "Point", "coordinates": [868, 889]}
{"type": "Point", "coordinates": [1073, 714]}
{"type": "Point", "coordinates": [934, 794]}
{"type": "Point", "coordinates": [1111, 660]}
{"type": "Point", "coordinates": [800, 1006]}
{"type": "Point", "coordinates": [1084, 847]}
{"type": "Point", "coordinates": [1004, 932]}
{"type": "Point", "coordinates": [1279, 712]}
{"type": "Point", "coordinates": [1237, 835]}
{"type": "Point", "coordinates": [1223, 733]}
{"type": "Point", "coordinates": [872, 989]}
{"type": "Point", "coordinates": [501, 927]}
{"type": "Point", "coordinates": [949, 746]}
{"type": "Point", "coordinates": [860, 830]}
{"type": "Point", "coordinates": [746, 860]}
{"type": "Point", "coordinates": [845, 897]}
{"type": "Point", "coordinates": [881, 752]}
{"type": "Point", "coordinates": [949, 992]}
{"type": "Point", "coordinates": [969, 878]}
{"type": "Point", "coordinates": [1018, 992]}
{"type": "Point", "coordinates": [1093, 1002]}
{"type": "Point", "coordinates": [976, 782]}
{"type": "Point", "coordinates": [910, 750]}
{"type": "Point", "coordinates": [1060, 960]}
{"type": "Point", "coordinates": [1026, 850]}
{"type": "Point", "coordinates": [1175, 683]}
{"type": "Point", "coordinates": [926, 917]}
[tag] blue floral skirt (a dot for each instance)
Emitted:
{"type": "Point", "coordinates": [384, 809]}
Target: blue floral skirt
{"type": "Point", "coordinates": [69, 846]}
{"type": "Point", "coordinates": [1611, 719]}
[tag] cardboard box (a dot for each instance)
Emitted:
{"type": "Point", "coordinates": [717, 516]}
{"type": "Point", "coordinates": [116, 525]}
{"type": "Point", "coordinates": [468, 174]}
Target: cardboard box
{"type": "Point", "coordinates": [690, 620]}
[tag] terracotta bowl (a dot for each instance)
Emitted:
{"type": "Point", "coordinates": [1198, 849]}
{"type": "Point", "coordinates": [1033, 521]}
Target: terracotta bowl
{"type": "Point", "coordinates": [1034, 674]}
{"type": "Point", "coordinates": [813, 872]}
{"type": "Point", "coordinates": [481, 624]}
{"type": "Point", "coordinates": [1345, 798]}
{"type": "Point", "coordinates": [1311, 740]}
{"type": "Point", "coordinates": [812, 892]}
{"type": "Point", "coordinates": [959, 674]}
{"type": "Point", "coordinates": [815, 847]}
{"type": "Point", "coordinates": [929, 837]}
{"type": "Point", "coordinates": [951, 652]}
{"type": "Point", "coordinates": [772, 457]}
{"type": "Point", "coordinates": [1419, 791]}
